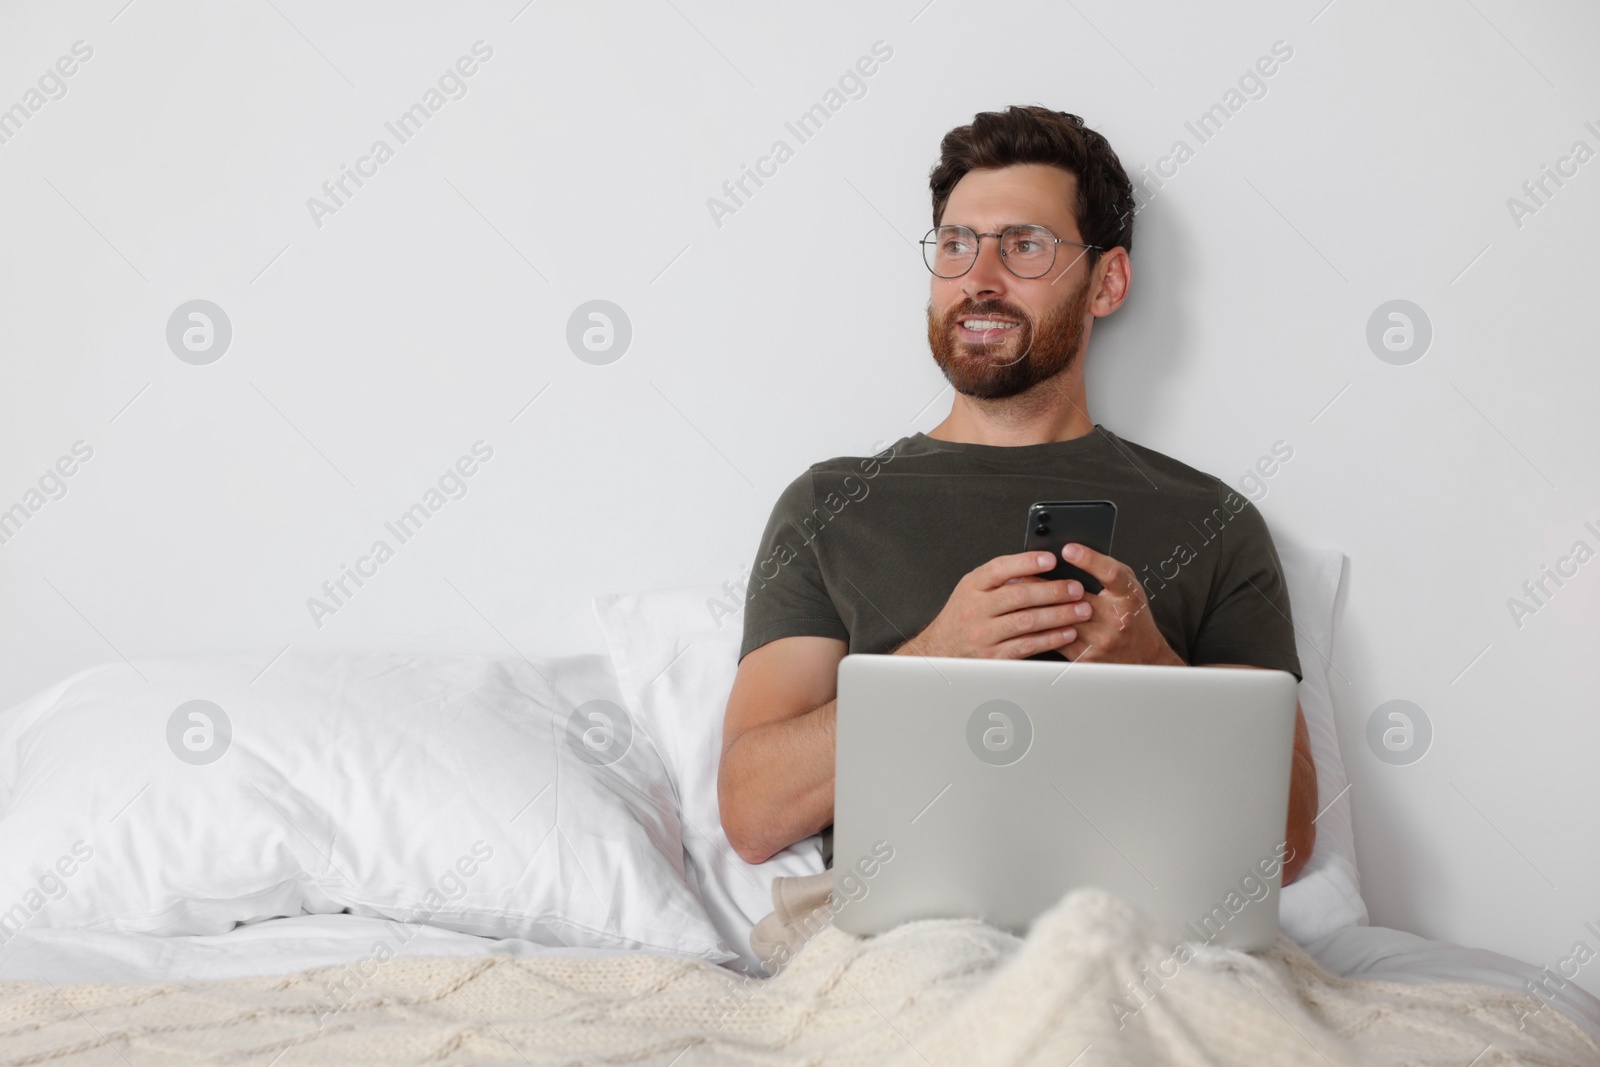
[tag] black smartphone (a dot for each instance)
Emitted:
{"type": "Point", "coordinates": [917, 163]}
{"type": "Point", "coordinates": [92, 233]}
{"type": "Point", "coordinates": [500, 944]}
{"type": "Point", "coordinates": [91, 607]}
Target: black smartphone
{"type": "Point", "coordinates": [1054, 524]}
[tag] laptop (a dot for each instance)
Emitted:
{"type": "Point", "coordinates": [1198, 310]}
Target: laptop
{"type": "Point", "coordinates": [988, 789]}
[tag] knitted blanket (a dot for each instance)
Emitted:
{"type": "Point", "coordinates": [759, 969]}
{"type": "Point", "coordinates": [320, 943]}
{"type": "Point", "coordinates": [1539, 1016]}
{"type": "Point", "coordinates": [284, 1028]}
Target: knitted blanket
{"type": "Point", "coordinates": [1090, 986]}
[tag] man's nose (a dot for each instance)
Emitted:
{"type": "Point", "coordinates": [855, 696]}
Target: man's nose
{"type": "Point", "coordinates": [987, 278]}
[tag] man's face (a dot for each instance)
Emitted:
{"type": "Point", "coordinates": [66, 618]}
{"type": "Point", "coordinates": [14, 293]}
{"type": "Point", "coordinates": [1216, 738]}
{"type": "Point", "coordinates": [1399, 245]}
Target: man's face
{"type": "Point", "coordinates": [1029, 329]}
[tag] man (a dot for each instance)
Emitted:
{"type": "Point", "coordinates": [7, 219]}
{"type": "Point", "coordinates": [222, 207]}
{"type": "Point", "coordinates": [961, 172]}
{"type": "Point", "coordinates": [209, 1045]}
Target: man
{"type": "Point", "coordinates": [912, 552]}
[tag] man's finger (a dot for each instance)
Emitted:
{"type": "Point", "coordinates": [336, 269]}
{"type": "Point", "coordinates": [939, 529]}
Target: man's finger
{"type": "Point", "coordinates": [1001, 569]}
{"type": "Point", "coordinates": [1116, 578]}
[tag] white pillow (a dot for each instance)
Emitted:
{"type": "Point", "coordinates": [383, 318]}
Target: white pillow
{"type": "Point", "coordinates": [452, 790]}
{"type": "Point", "coordinates": [1327, 894]}
{"type": "Point", "coordinates": [676, 655]}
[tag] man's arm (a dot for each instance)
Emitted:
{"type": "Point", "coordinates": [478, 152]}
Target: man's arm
{"type": "Point", "coordinates": [1301, 831]}
{"type": "Point", "coordinates": [775, 781]}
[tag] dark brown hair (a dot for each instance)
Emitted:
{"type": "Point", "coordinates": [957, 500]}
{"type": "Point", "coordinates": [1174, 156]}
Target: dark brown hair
{"type": "Point", "coordinates": [1105, 208]}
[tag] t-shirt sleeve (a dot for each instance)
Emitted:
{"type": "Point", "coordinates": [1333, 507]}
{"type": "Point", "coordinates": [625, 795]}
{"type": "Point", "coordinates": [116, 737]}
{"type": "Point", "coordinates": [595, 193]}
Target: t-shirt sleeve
{"type": "Point", "coordinates": [1247, 617]}
{"type": "Point", "coordinates": [786, 596]}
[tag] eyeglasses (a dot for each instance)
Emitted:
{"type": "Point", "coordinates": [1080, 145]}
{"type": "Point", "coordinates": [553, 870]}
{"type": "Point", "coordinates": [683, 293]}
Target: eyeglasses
{"type": "Point", "coordinates": [1027, 250]}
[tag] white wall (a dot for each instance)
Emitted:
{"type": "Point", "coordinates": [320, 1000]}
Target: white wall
{"type": "Point", "coordinates": [371, 351]}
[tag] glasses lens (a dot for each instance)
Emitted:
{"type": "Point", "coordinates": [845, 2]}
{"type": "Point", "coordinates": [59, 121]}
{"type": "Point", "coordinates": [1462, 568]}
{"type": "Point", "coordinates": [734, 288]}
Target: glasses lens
{"type": "Point", "coordinates": [1029, 250]}
{"type": "Point", "coordinates": [950, 250]}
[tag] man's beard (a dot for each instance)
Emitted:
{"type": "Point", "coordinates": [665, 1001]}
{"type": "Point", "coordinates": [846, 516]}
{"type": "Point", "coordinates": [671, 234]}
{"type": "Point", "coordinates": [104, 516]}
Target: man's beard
{"type": "Point", "coordinates": [1017, 362]}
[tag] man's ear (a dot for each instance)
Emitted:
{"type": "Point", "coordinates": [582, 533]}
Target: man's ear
{"type": "Point", "coordinates": [1115, 278]}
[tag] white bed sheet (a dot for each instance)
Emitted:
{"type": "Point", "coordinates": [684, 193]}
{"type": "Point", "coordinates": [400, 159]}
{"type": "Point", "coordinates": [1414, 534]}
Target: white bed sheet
{"type": "Point", "coordinates": [1397, 956]}
{"type": "Point", "coordinates": [268, 947]}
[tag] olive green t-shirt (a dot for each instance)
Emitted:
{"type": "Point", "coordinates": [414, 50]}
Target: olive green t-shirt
{"type": "Point", "coordinates": [868, 549]}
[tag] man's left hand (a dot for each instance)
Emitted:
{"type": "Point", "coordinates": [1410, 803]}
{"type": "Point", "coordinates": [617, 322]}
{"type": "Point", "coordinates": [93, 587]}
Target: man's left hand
{"type": "Point", "coordinates": [1120, 627]}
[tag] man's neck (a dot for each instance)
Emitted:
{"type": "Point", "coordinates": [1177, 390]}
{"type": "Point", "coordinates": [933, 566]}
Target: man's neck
{"type": "Point", "coordinates": [1013, 421]}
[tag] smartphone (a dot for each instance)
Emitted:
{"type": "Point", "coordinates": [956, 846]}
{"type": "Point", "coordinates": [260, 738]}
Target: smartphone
{"type": "Point", "coordinates": [1054, 524]}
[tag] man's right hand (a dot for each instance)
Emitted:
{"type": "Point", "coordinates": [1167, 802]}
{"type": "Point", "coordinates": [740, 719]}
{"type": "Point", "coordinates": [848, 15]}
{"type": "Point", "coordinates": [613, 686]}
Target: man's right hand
{"type": "Point", "coordinates": [1003, 610]}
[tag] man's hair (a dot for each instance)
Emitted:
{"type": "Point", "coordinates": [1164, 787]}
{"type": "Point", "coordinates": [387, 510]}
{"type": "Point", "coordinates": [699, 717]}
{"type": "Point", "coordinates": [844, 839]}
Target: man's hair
{"type": "Point", "coordinates": [1104, 209]}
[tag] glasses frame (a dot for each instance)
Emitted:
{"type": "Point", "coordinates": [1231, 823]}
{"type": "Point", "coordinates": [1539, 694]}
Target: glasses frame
{"type": "Point", "coordinates": [925, 242]}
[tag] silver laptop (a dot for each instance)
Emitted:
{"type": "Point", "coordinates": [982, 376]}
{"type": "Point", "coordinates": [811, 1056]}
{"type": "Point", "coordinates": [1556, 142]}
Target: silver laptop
{"type": "Point", "coordinates": [990, 788]}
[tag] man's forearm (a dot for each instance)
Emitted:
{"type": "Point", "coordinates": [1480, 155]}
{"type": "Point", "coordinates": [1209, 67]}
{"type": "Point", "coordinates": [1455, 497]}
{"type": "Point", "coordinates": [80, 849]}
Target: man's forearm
{"type": "Point", "coordinates": [776, 785]}
{"type": "Point", "coordinates": [776, 782]}
{"type": "Point", "coordinates": [1301, 832]}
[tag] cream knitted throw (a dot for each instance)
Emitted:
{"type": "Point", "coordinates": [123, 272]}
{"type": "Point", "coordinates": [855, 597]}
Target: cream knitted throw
{"type": "Point", "coordinates": [947, 993]}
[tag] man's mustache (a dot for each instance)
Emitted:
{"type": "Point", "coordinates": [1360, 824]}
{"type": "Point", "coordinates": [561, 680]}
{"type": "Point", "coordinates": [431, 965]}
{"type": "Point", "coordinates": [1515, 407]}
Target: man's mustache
{"type": "Point", "coordinates": [994, 309]}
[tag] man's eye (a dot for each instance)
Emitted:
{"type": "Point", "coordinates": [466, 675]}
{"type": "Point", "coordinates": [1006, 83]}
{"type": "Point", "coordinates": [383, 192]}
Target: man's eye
{"type": "Point", "coordinates": [1027, 247]}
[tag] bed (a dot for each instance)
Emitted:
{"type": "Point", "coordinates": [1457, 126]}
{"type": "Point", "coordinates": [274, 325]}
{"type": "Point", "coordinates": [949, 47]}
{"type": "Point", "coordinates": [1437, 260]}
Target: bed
{"type": "Point", "coordinates": [391, 858]}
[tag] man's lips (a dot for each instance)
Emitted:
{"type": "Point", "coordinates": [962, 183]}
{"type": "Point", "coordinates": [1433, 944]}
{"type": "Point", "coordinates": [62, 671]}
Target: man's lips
{"type": "Point", "coordinates": [981, 329]}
